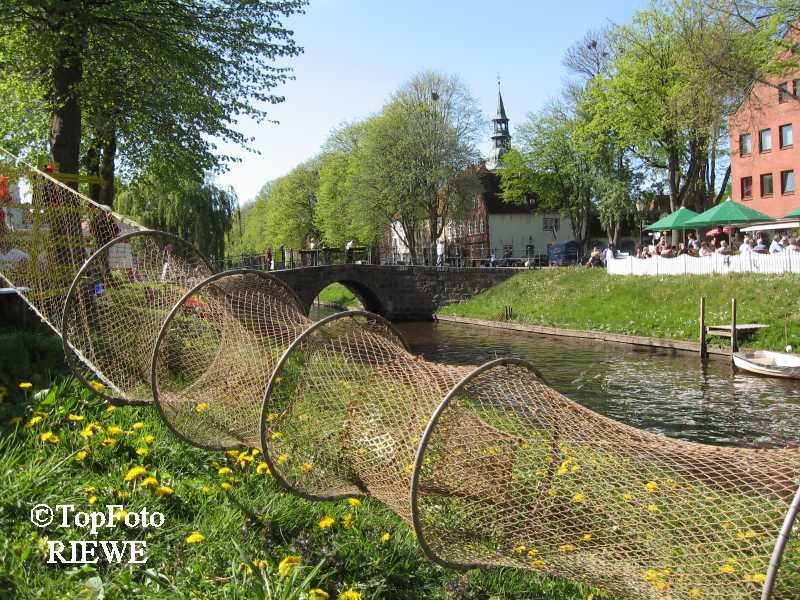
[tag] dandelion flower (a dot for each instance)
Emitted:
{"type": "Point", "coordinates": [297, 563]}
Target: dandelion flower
{"type": "Point", "coordinates": [694, 593]}
{"type": "Point", "coordinates": [34, 421]}
{"type": "Point", "coordinates": [255, 451]}
{"type": "Point", "coordinates": [586, 537]}
{"type": "Point", "coordinates": [148, 439]}
{"type": "Point", "coordinates": [744, 535]}
{"type": "Point", "coordinates": [282, 458]}
{"type": "Point", "coordinates": [110, 442]}
{"type": "Point", "coordinates": [97, 386]}
{"type": "Point", "coordinates": [627, 496]}
{"type": "Point", "coordinates": [409, 468]}
{"type": "Point", "coordinates": [326, 522]}
{"type": "Point", "coordinates": [232, 453]}
{"type": "Point", "coordinates": [349, 595]}
{"type": "Point", "coordinates": [347, 520]}
{"type": "Point", "coordinates": [566, 548]}
{"type": "Point", "coordinates": [195, 538]}
{"type": "Point", "coordinates": [142, 451]}
{"type": "Point", "coordinates": [92, 499]}
{"type": "Point", "coordinates": [538, 564]}
{"type": "Point", "coordinates": [137, 426]}
{"type": "Point", "coordinates": [164, 490]}
{"type": "Point", "coordinates": [226, 486]}
{"type": "Point", "coordinates": [272, 417]}
{"type": "Point", "coordinates": [354, 502]}
{"type": "Point", "coordinates": [262, 468]}
{"type": "Point", "coordinates": [111, 408]}
{"type": "Point", "coordinates": [115, 430]}
{"type": "Point", "coordinates": [49, 437]}
{"type": "Point", "coordinates": [149, 482]}
{"type": "Point", "coordinates": [224, 471]}
{"type": "Point", "coordinates": [651, 486]}
{"type": "Point", "coordinates": [135, 472]}
{"type": "Point", "coordinates": [205, 489]}
{"type": "Point", "coordinates": [25, 385]}
{"type": "Point", "coordinates": [727, 568]}
{"type": "Point", "coordinates": [385, 537]}
{"type": "Point", "coordinates": [75, 418]}
{"type": "Point", "coordinates": [532, 552]}
{"type": "Point", "coordinates": [81, 455]}
{"type": "Point", "coordinates": [653, 508]}
{"type": "Point", "coordinates": [288, 564]}
{"type": "Point", "coordinates": [755, 578]}
{"type": "Point", "coordinates": [201, 407]}
{"type": "Point", "coordinates": [120, 514]}
{"type": "Point", "coordinates": [318, 594]}
{"type": "Point", "coordinates": [260, 563]}
{"type": "Point", "coordinates": [579, 497]}
{"type": "Point", "coordinates": [519, 548]}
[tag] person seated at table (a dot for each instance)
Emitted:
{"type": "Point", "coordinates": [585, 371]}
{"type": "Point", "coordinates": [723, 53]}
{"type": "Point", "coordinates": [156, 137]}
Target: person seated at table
{"type": "Point", "coordinates": [705, 250]}
{"type": "Point", "coordinates": [683, 249]}
{"type": "Point", "coordinates": [693, 243]}
{"type": "Point", "coordinates": [761, 245]}
{"type": "Point", "coordinates": [723, 248]}
{"type": "Point", "coordinates": [793, 245]}
{"type": "Point", "coordinates": [667, 251]}
{"type": "Point", "coordinates": [595, 258]}
{"type": "Point", "coordinates": [746, 245]}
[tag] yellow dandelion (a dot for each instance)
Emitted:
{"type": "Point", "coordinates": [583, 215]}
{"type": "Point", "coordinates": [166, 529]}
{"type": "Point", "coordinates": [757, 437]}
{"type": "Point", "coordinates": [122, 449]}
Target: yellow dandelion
{"type": "Point", "coordinates": [385, 537]}
{"type": "Point", "coordinates": [226, 486]}
{"type": "Point", "coordinates": [347, 520]}
{"type": "Point", "coordinates": [566, 548]}
{"type": "Point", "coordinates": [224, 471]}
{"type": "Point", "coordinates": [135, 472]}
{"type": "Point", "coordinates": [538, 564]}
{"type": "Point", "coordinates": [744, 535]}
{"type": "Point", "coordinates": [195, 537]}
{"type": "Point", "coordinates": [532, 552]}
{"type": "Point", "coordinates": [149, 482]}
{"type": "Point", "coordinates": [282, 458]}
{"type": "Point", "coordinates": [201, 407]}
{"type": "Point", "coordinates": [262, 469]}
{"type": "Point", "coordinates": [627, 496]}
{"type": "Point", "coordinates": [260, 563]}
{"type": "Point", "coordinates": [650, 575]}
{"type": "Point", "coordinates": [651, 486]}
{"type": "Point", "coordinates": [92, 499]}
{"type": "Point", "coordinates": [137, 426]}
{"type": "Point", "coordinates": [25, 385]}
{"type": "Point", "coordinates": [288, 564]}
{"type": "Point", "coordinates": [111, 408]}
{"type": "Point", "coordinates": [148, 439]}
{"type": "Point", "coordinates": [579, 497]}
{"type": "Point", "coordinates": [142, 451]}
{"type": "Point", "coordinates": [81, 455]}
{"type": "Point", "coordinates": [164, 490]}
{"type": "Point", "coordinates": [75, 418]}
{"type": "Point", "coordinates": [727, 569]}
{"type": "Point", "coordinates": [305, 467]}
{"type": "Point", "coordinates": [349, 595]}
{"type": "Point", "coordinates": [586, 537]}
{"type": "Point", "coordinates": [49, 437]}
{"type": "Point", "coordinates": [115, 430]}
{"type": "Point", "coordinates": [272, 417]}
{"type": "Point", "coordinates": [318, 594]}
{"type": "Point", "coordinates": [205, 489]}
{"type": "Point", "coordinates": [519, 548]}
{"type": "Point", "coordinates": [275, 435]}
{"type": "Point", "coordinates": [97, 386]}
{"type": "Point", "coordinates": [232, 453]}
{"type": "Point", "coordinates": [409, 468]}
{"type": "Point", "coordinates": [653, 508]}
{"type": "Point", "coordinates": [255, 451]}
{"type": "Point", "coordinates": [695, 593]}
{"type": "Point", "coordinates": [755, 578]}
{"type": "Point", "coordinates": [326, 522]}
{"type": "Point", "coordinates": [354, 502]}
{"type": "Point", "coordinates": [110, 442]}
{"type": "Point", "coordinates": [120, 514]}
{"type": "Point", "coordinates": [121, 494]}
{"type": "Point", "coordinates": [34, 421]}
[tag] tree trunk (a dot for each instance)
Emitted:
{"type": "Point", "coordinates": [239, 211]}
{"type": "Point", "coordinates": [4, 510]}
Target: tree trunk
{"type": "Point", "coordinates": [108, 187]}
{"type": "Point", "coordinates": [65, 129]}
{"type": "Point", "coordinates": [724, 185]}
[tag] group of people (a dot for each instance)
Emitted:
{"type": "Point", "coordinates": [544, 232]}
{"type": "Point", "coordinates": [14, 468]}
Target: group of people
{"type": "Point", "coordinates": [694, 247]}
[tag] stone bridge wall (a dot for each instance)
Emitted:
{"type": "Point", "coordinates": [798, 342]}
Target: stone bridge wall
{"type": "Point", "coordinates": [397, 293]}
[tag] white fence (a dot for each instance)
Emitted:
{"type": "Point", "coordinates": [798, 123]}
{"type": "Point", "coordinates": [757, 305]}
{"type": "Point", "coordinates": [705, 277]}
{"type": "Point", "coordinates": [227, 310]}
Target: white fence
{"type": "Point", "coordinates": [787, 261]}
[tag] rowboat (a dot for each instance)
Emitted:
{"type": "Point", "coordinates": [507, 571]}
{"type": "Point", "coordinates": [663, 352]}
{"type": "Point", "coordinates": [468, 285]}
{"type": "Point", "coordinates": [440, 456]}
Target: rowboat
{"type": "Point", "coordinates": [772, 364]}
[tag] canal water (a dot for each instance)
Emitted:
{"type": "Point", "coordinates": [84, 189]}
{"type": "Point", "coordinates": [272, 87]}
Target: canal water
{"type": "Point", "coordinates": [669, 393]}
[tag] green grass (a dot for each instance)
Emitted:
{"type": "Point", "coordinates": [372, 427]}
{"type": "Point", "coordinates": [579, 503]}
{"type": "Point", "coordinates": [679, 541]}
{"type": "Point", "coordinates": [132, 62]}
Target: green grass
{"type": "Point", "coordinates": [247, 530]}
{"type": "Point", "coordinates": [339, 295]}
{"type": "Point", "coordinates": [665, 307]}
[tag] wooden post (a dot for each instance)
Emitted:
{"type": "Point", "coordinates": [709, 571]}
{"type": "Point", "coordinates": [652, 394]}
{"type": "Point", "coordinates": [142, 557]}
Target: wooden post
{"type": "Point", "coordinates": [734, 336]}
{"type": "Point", "coordinates": [703, 342]}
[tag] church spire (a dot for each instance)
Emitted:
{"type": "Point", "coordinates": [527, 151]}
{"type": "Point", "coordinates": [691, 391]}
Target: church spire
{"type": "Point", "coordinates": [501, 139]}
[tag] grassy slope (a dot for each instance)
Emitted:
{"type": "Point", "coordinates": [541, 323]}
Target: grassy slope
{"type": "Point", "coordinates": [254, 521]}
{"type": "Point", "coordinates": [666, 307]}
{"type": "Point", "coordinates": [338, 294]}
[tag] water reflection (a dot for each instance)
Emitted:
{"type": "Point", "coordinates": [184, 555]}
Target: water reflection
{"type": "Point", "coordinates": [668, 393]}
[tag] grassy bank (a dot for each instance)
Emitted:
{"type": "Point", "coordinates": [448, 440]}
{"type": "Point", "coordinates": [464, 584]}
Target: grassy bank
{"type": "Point", "coordinates": [228, 526]}
{"type": "Point", "coordinates": [666, 307]}
{"type": "Point", "coordinates": [339, 295]}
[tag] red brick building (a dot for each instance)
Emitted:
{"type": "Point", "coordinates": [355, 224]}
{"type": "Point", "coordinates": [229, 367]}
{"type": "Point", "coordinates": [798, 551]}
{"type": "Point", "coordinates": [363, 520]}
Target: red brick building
{"type": "Point", "coordinates": [765, 161]}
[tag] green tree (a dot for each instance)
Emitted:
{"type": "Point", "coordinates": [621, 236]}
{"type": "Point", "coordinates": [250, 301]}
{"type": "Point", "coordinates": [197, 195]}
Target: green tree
{"type": "Point", "coordinates": [193, 209]}
{"type": "Point", "coordinates": [414, 169]}
{"type": "Point", "coordinates": [291, 204]}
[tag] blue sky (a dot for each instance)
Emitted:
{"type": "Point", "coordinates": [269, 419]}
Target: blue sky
{"type": "Point", "coordinates": [357, 53]}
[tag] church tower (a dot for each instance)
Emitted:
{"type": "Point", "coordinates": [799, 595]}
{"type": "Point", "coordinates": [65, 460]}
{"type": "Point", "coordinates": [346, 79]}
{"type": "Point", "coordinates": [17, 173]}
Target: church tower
{"type": "Point", "coordinates": [501, 139]}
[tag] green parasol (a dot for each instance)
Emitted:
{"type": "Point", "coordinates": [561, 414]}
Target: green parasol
{"type": "Point", "coordinates": [727, 213]}
{"type": "Point", "coordinates": [795, 214]}
{"type": "Point", "coordinates": [675, 220]}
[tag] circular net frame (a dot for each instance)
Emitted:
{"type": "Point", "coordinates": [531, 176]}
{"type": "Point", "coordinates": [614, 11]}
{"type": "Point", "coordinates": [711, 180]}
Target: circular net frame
{"type": "Point", "coordinates": [117, 304]}
{"type": "Point", "coordinates": [215, 353]}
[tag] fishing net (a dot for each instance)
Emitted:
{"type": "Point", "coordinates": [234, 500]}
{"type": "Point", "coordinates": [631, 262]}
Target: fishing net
{"type": "Point", "coordinates": [490, 465]}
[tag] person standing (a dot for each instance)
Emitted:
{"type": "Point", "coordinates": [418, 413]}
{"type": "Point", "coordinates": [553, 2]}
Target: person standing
{"type": "Point", "coordinates": [775, 247]}
{"type": "Point", "coordinates": [269, 259]}
{"type": "Point", "coordinates": [440, 252]}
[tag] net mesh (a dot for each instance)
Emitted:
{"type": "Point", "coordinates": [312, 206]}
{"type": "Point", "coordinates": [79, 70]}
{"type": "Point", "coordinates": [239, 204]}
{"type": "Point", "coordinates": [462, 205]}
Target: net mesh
{"type": "Point", "coordinates": [491, 466]}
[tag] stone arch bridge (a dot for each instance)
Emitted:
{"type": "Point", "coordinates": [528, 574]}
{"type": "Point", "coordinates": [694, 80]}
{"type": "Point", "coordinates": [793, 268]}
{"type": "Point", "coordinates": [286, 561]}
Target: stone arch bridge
{"type": "Point", "coordinates": [399, 293]}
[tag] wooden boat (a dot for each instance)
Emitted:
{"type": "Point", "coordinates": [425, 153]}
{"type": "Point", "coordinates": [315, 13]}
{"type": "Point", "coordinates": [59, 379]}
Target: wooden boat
{"type": "Point", "coordinates": [772, 364]}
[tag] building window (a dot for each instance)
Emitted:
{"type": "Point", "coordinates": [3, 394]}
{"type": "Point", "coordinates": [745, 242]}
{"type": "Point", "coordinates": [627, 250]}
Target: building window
{"type": "Point", "coordinates": [745, 144]}
{"type": "Point", "coordinates": [786, 136]}
{"type": "Point", "coordinates": [765, 140]}
{"type": "Point", "coordinates": [551, 223]}
{"type": "Point", "coordinates": [747, 187]}
{"type": "Point", "coordinates": [766, 184]}
{"type": "Point", "coordinates": [783, 92]}
{"type": "Point", "coordinates": [483, 229]}
{"type": "Point", "coordinates": [787, 182]}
